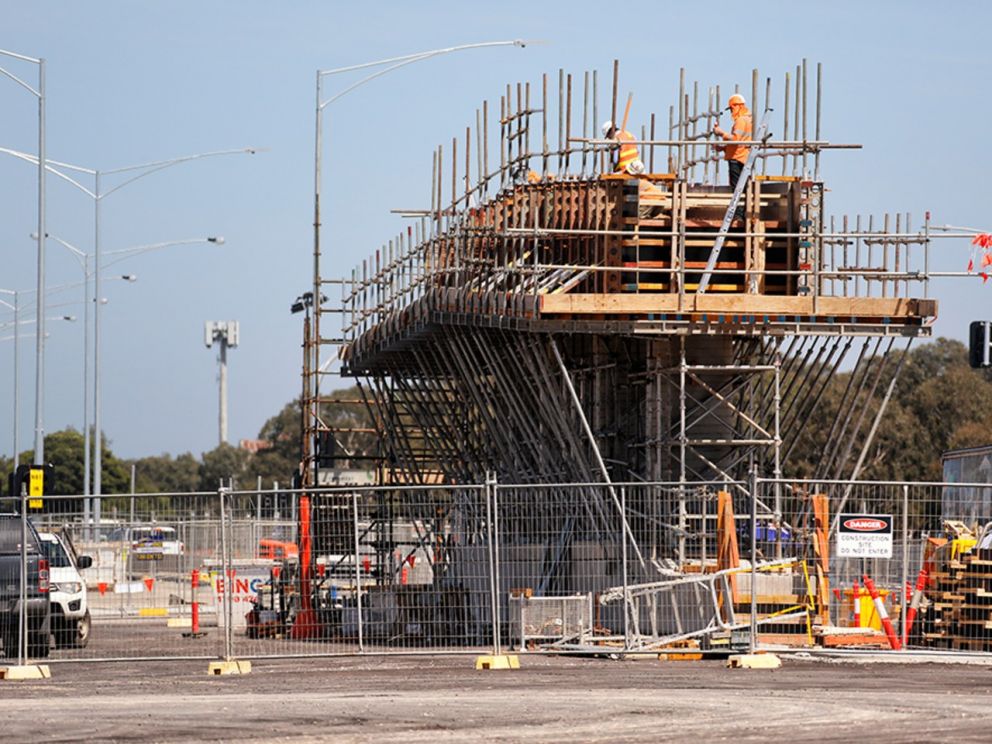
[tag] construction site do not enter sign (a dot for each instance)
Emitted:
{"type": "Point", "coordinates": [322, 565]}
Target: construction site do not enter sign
{"type": "Point", "coordinates": [864, 536]}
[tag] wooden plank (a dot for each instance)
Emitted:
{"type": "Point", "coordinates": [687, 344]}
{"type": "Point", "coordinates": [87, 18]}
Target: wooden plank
{"type": "Point", "coordinates": [727, 555]}
{"type": "Point", "coordinates": [845, 307]}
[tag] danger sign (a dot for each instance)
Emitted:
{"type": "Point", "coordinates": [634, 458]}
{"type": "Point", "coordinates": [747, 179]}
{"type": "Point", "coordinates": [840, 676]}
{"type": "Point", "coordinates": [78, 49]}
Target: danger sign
{"type": "Point", "coordinates": [864, 536]}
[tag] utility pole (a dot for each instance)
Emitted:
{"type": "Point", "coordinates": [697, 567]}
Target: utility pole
{"type": "Point", "coordinates": [225, 333]}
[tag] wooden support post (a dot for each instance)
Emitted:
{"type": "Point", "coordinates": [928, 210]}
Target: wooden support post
{"type": "Point", "coordinates": [727, 555]}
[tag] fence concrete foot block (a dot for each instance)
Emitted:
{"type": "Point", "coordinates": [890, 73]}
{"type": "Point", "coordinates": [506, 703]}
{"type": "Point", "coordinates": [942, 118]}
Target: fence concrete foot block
{"type": "Point", "coordinates": [497, 661]}
{"type": "Point", "coordinates": [754, 661]}
{"type": "Point", "coordinates": [218, 668]}
{"type": "Point", "coordinates": [25, 671]}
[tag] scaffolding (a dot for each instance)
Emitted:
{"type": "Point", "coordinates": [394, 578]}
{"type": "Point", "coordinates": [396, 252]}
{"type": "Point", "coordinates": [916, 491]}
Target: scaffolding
{"type": "Point", "coordinates": [550, 321]}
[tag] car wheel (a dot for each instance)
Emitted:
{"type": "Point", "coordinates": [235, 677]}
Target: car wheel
{"type": "Point", "coordinates": [81, 634]}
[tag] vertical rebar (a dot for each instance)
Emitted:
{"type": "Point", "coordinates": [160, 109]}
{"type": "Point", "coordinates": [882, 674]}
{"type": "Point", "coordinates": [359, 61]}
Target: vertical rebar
{"type": "Point", "coordinates": [680, 137]}
{"type": "Point", "coordinates": [768, 100]}
{"type": "Point", "coordinates": [568, 118]}
{"type": "Point", "coordinates": [561, 119]}
{"type": "Point", "coordinates": [616, 82]}
{"type": "Point", "coordinates": [544, 126]}
{"type": "Point", "coordinates": [805, 100]}
{"type": "Point", "coordinates": [816, 135]}
{"type": "Point", "coordinates": [785, 123]}
{"type": "Point", "coordinates": [585, 118]}
{"type": "Point", "coordinates": [651, 147]}
{"type": "Point", "coordinates": [795, 123]}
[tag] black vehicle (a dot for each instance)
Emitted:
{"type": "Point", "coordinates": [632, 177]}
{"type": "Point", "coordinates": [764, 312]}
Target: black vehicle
{"type": "Point", "coordinates": [38, 607]}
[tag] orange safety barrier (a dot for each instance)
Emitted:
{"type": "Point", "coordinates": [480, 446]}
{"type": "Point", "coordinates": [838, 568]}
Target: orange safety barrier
{"type": "Point", "coordinates": [914, 605]}
{"type": "Point", "coordinates": [890, 632]}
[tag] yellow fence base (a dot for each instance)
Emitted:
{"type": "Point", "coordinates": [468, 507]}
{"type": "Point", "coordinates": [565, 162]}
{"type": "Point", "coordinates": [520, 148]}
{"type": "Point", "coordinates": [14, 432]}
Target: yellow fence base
{"type": "Point", "coordinates": [26, 671]}
{"type": "Point", "coordinates": [218, 668]}
{"type": "Point", "coordinates": [500, 661]}
{"type": "Point", "coordinates": [754, 661]}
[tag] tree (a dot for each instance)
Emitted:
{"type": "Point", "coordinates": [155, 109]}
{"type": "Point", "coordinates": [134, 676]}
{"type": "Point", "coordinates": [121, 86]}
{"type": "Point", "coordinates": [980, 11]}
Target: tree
{"type": "Point", "coordinates": [165, 474]}
{"type": "Point", "coordinates": [221, 464]}
{"type": "Point", "coordinates": [64, 450]}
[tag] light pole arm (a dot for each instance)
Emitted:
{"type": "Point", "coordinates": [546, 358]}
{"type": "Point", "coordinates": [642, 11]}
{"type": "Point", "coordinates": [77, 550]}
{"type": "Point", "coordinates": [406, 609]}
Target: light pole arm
{"type": "Point", "coordinates": [123, 253]}
{"type": "Point", "coordinates": [155, 167]}
{"type": "Point", "coordinates": [417, 55]}
{"type": "Point", "coordinates": [397, 62]}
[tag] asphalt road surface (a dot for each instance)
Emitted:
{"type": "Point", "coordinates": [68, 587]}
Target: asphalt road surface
{"type": "Point", "coordinates": [443, 699]}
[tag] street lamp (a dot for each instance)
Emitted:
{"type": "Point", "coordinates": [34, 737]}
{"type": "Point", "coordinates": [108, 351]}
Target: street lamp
{"type": "Point", "coordinates": [118, 256]}
{"type": "Point", "coordinates": [39, 93]}
{"type": "Point", "coordinates": [312, 355]}
{"type": "Point", "coordinates": [84, 263]}
{"type": "Point", "coordinates": [134, 173]}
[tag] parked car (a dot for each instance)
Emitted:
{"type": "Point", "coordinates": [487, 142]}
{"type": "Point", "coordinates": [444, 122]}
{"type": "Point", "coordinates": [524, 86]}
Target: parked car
{"type": "Point", "coordinates": [37, 609]}
{"type": "Point", "coordinates": [149, 540]}
{"type": "Point", "coordinates": [70, 620]}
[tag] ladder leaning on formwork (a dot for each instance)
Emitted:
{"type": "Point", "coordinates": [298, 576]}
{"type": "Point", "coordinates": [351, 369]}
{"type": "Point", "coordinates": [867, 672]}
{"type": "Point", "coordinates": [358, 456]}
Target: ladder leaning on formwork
{"type": "Point", "coordinates": [732, 207]}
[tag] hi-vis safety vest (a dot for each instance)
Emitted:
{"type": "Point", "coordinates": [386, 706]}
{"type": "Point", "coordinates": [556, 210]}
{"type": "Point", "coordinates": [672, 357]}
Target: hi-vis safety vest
{"type": "Point", "coordinates": [628, 153]}
{"type": "Point", "coordinates": [740, 131]}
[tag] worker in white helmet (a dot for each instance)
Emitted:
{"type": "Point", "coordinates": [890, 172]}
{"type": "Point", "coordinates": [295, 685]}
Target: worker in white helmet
{"type": "Point", "coordinates": [628, 160]}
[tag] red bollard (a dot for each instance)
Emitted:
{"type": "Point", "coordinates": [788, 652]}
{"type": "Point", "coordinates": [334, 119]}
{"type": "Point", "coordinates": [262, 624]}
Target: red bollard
{"type": "Point", "coordinates": [890, 632]}
{"type": "Point", "coordinates": [921, 585]}
{"type": "Point", "coordinates": [195, 582]}
{"type": "Point", "coordinates": [857, 604]}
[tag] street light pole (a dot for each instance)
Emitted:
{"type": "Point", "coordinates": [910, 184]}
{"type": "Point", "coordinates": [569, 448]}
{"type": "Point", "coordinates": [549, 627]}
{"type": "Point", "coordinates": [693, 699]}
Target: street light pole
{"type": "Point", "coordinates": [39, 426]}
{"type": "Point", "coordinates": [311, 386]}
{"type": "Point", "coordinates": [135, 172]}
{"type": "Point", "coordinates": [84, 263]}
{"type": "Point", "coordinates": [15, 307]}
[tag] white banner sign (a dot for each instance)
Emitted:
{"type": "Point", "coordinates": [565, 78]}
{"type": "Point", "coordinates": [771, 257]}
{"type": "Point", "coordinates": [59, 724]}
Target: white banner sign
{"type": "Point", "coordinates": [864, 536]}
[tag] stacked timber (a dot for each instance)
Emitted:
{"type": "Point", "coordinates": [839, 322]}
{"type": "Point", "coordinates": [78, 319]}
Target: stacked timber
{"type": "Point", "coordinates": [961, 603]}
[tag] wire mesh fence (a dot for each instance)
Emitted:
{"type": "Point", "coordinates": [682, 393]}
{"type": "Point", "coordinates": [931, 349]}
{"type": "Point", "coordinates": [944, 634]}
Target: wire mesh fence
{"type": "Point", "coordinates": [538, 568]}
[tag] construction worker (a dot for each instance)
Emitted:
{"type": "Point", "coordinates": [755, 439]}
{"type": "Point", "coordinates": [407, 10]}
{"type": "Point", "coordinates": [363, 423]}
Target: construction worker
{"type": "Point", "coordinates": [736, 155]}
{"type": "Point", "coordinates": [628, 160]}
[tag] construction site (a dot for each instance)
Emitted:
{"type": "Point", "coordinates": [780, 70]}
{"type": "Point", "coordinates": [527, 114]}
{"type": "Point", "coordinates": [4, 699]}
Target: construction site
{"type": "Point", "coordinates": [589, 382]}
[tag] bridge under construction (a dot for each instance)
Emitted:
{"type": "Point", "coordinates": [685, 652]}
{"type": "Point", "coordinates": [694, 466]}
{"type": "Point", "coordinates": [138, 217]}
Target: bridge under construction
{"type": "Point", "coordinates": [549, 320]}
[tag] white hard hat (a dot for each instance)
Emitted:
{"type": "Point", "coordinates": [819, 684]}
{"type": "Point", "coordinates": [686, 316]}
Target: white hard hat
{"type": "Point", "coordinates": [607, 127]}
{"type": "Point", "coordinates": [635, 167]}
{"type": "Point", "coordinates": [736, 98]}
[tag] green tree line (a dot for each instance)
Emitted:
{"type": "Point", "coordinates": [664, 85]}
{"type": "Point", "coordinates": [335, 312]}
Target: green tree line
{"type": "Point", "coordinates": [186, 472]}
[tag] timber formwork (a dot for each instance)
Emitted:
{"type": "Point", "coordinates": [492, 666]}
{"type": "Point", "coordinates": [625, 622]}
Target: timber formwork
{"type": "Point", "coordinates": [544, 321]}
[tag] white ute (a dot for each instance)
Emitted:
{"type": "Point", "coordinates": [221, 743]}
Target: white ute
{"type": "Point", "coordinates": [70, 613]}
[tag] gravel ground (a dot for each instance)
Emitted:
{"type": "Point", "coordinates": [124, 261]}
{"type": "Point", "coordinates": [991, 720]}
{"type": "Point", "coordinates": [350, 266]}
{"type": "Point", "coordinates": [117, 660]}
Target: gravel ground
{"type": "Point", "coordinates": [442, 699]}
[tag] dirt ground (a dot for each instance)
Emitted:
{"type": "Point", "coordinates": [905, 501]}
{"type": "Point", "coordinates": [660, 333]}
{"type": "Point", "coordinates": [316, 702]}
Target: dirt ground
{"type": "Point", "coordinates": [412, 699]}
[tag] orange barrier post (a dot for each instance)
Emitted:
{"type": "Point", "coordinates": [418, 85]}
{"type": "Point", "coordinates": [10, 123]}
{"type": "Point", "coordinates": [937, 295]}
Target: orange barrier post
{"type": "Point", "coordinates": [914, 606]}
{"type": "Point", "coordinates": [890, 632]}
{"type": "Point", "coordinates": [195, 582]}
{"type": "Point", "coordinates": [857, 604]}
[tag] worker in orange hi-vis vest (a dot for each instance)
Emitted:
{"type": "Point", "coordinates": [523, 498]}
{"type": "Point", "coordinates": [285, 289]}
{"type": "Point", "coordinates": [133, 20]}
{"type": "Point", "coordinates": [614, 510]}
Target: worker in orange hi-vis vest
{"type": "Point", "coordinates": [628, 160]}
{"type": "Point", "coordinates": [736, 155]}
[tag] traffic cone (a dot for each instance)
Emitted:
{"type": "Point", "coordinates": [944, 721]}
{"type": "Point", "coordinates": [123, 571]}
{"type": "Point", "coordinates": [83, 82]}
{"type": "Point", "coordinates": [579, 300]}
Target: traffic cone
{"type": "Point", "coordinates": [149, 583]}
{"type": "Point", "coordinates": [890, 632]}
{"type": "Point", "coordinates": [102, 586]}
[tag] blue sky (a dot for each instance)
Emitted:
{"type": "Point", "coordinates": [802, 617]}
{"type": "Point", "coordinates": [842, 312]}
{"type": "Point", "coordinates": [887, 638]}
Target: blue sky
{"type": "Point", "coordinates": [135, 82]}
